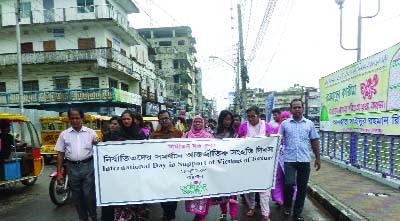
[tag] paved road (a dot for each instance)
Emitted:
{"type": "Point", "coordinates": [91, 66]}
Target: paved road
{"type": "Point", "coordinates": [33, 203]}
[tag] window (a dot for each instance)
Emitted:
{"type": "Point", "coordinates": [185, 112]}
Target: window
{"type": "Point", "coordinates": [26, 47]}
{"type": "Point", "coordinates": [3, 87]}
{"type": "Point", "coordinates": [179, 64]}
{"type": "Point", "coordinates": [109, 43]}
{"type": "Point", "coordinates": [176, 64]}
{"type": "Point", "coordinates": [30, 85]}
{"type": "Point", "coordinates": [49, 45]}
{"type": "Point", "coordinates": [165, 43]}
{"type": "Point", "coordinates": [25, 9]}
{"type": "Point", "coordinates": [61, 82]}
{"type": "Point", "coordinates": [181, 42]}
{"type": "Point", "coordinates": [92, 82]}
{"type": "Point", "coordinates": [158, 65]}
{"type": "Point", "coordinates": [124, 87]}
{"type": "Point", "coordinates": [112, 83]}
{"type": "Point", "coordinates": [123, 52]}
{"type": "Point", "coordinates": [86, 43]}
{"type": "Point", "coordinates": [85, 6]}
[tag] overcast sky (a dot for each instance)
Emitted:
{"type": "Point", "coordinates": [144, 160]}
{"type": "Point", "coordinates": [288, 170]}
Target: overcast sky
{"type": "Point", "coordinates": [300, 46]}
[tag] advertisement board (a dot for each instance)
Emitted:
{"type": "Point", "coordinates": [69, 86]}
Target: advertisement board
{"type": "Point", "coordinates": [370, 86]}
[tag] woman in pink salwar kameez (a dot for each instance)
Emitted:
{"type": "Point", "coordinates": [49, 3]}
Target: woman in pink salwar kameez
{"type": "Point", "coordinates": [198, 207]}
{"type": "Point", "coordinates": [277, 193]}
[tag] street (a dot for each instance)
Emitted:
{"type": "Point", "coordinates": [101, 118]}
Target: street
{"type": "Point", "coordinates": [33, 203]}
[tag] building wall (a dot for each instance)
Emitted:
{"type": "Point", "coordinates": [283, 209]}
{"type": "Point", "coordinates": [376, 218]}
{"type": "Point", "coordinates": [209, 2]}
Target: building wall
{"type": "Point", "coordinates": [37, 35]}
{"type": "Point", "coordinates": [45, 79]}
{"type": "Point", "coordinates": [69, 7]}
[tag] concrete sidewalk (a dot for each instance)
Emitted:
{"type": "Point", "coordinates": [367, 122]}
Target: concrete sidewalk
{"type": "Point", "coordinates": [348, 195]}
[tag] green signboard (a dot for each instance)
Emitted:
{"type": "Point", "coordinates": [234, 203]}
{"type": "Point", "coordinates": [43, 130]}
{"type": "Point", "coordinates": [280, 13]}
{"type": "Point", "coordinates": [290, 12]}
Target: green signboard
{"type": "Point", "coordinates": [369, 88]}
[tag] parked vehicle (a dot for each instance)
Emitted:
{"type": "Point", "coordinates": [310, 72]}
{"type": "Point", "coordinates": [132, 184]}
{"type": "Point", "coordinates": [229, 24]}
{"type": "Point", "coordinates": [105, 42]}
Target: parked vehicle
{"type": "Point", "coordinates": [52, 126]}
{"type": "Point", "coordinates": [20, 150]}
{"type": "Point", "coordinates": [59, 194]}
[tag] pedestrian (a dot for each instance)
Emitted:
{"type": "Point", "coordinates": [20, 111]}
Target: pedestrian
{"type": "Point", "coordinates": [149, 126]}
{"type": "Point", "coordinates": [138, 120]}
{"type": "Point", "coordinates": [114, 133]}
{"type": "Point", "coordinates": [211, 125]}
{"type": "Point", "coordinates": [179, 123]}
{"type": "Point", "coordinates": [197, 130]}
{"type": "Point", "coordinates": [275, 121]}
{"type": "Point", "coordinates": [277, 192]}
{"type": "Point", "coordinates": [250, 128]}
{"type": "Point", "coordinates": [167, 131]}
{"type": "Point", "coordinates": [237, 120]}
{"type": "Point", "coordinates": [130, 130]}
{"type": "Point", "coordinates": [298, 134]}
{"type": "Point", "coordinates": [75, 146]}
{"type": "Point", "coordinates": [225, 130]}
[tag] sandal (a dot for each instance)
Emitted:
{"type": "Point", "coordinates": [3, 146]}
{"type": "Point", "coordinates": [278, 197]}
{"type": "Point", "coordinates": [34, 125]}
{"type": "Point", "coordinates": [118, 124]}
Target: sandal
{"type": "Point", "coordinates": [266, 218]}
{"type": "Point", "coordinates": [250, 213]}
{"type": "Point", "coordinates": [298, 217]}
{"type": "Point", "coordinates": [197, 218]}
{"type": "Point", "coordinates": [222, 217]}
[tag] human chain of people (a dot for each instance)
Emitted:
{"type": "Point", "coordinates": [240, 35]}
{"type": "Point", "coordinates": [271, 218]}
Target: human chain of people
{"type": "Point", "coordinates": [195, 161]}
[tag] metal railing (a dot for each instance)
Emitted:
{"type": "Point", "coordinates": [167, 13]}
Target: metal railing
{"type": "Point", "coordinates": [54, 96]}
{"type": "Point", "coordinates": [122, 62]}
{"type": "Point", "coordinates": [374, 152]}
{"type": "Point", "coordinates": [60, 56]}
{"type": "Point", "coordinates": [91, 12]}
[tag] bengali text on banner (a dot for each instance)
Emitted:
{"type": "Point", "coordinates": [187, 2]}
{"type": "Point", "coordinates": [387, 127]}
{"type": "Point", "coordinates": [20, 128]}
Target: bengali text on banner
{"type": "Point", "coordinates": [136, 172]}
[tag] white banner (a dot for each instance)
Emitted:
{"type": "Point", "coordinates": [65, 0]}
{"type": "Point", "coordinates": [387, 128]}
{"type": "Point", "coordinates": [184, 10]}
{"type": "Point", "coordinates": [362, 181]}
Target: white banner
{"type": "Point", "coordinates": [135, 172]}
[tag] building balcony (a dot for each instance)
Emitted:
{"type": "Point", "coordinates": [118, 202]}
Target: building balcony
{"type": "Point", "coordinates": [70, 96]}
{"type": "Point", "coordinates": [91, 12]}
{"type": "Point", "coordinates": [186, 88]}
{"type": "Point", "coordinates": [186, 74]}
{"type": "Point", "coordinates": [105, 57]}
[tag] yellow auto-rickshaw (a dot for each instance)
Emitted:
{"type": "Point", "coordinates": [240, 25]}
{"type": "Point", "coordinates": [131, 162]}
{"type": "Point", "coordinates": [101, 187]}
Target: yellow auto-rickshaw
{"type": "Point", "coordinates": [20, 159]}
{"type": "Point", "coordinates": [52, 126]}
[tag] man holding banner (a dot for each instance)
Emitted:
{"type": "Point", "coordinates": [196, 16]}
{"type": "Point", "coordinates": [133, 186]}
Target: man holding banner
{"type": "Point", "coordinates": [167, 131]}
{"type": "Point", "coordinates": [298, 133]}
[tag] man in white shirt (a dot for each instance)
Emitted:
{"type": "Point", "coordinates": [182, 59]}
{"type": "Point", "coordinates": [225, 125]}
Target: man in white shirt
{"type": "Point", "coordinates": [75, 146]}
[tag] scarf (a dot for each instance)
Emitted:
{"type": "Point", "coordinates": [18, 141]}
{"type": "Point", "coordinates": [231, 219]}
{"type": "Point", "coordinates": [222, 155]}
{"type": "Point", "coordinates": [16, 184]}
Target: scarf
{"type": "Point", "coordinates": [256, 130]}
{"type": "Point", "coordinates": [202, 133]}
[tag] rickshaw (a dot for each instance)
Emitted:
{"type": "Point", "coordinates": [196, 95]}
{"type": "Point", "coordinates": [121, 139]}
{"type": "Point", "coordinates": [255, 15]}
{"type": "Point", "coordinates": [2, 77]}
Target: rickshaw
{"type": "Point", "coordinates": [52, 126]}
{"type": "Point", "coordinates": [22, 161]}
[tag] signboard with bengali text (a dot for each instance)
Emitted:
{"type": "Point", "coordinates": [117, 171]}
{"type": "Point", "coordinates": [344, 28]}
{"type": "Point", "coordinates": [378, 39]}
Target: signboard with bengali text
{"type": "Point", "coordinates": [181, 169]}
{"type": "Point", "coordinates": [370, 86]}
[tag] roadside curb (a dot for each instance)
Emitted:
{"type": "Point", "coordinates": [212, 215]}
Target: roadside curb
{"type": "Point", "coordinates": [337, 209]}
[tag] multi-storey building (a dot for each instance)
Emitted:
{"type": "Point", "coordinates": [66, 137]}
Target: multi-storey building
{"type": "Point", "coordinates": [199, 101]}
{"type": "Point", "coordinates": [79, 52]}
{"type": "Point", "coordinates": [256, 97]}
{"type": "Point", "coordinates": [174, 58]}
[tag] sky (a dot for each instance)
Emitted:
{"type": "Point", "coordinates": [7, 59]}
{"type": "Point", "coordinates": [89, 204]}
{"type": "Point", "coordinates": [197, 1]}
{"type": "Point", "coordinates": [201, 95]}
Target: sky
{"type": "Point", "coordinates": [300, 45]}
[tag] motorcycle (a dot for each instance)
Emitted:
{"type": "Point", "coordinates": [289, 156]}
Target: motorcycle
{"type": "Point", "coordinates": [59, 194]}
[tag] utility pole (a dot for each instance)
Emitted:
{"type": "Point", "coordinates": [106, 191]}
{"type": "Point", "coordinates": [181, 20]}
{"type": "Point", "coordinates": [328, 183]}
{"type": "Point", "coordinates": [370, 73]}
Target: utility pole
{"type": "Point", "coordinates": [243, 68]}
{"type": "Point", "coordinates": [237, 87]}
{"type": "Point", "coordinates": [19, 56]}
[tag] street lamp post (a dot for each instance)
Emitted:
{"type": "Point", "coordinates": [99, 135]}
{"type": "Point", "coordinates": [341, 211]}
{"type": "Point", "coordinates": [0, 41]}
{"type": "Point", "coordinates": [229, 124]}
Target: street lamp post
{"type": "Point", "coordinates": [236, 70]}
{"type": "Point", "coordinates": [360, 17]}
